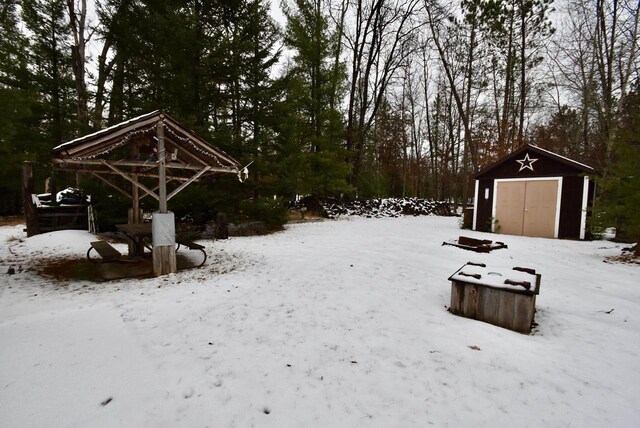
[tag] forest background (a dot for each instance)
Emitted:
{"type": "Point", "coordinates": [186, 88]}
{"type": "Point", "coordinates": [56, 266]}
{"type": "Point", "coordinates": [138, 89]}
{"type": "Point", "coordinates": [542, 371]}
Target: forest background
{"type": "Point", "coordinates": [339, 98]}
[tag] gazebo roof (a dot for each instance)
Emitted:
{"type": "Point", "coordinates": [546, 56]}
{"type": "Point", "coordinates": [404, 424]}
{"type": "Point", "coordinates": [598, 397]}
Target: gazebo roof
{"type": "Point", "coordinates": [192, 149]}
{"type": "Point", "coordinates": [143, 149]}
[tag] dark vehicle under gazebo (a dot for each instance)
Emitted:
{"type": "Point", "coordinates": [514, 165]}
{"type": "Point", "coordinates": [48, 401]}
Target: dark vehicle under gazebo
{"type": "Point", "coordinates": [150, 155]}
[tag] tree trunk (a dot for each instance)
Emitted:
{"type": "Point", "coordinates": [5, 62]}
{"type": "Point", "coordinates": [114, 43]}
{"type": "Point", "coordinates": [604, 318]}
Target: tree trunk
{"type": "Point", "coordinates": [523, 67]}
{"type": "Point", "coordinates": [77, 22]}
{"type": "Point", "coordinates": [458, 101]}
{"type": "Point", "coordinates": [104, 70]}
{"type": "Point", "coordinates": [503, 137]}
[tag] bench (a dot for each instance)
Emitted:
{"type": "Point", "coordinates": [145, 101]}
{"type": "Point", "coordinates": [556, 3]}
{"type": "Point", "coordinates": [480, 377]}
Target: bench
{"type": "Point", "coordinates": [192, 246]}
{"type": "Point", "coordinates": [106, 252]}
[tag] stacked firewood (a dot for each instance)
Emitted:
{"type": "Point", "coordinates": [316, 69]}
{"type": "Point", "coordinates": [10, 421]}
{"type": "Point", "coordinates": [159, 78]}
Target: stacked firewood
{"type": "Point", "coordinates": [376, 208]}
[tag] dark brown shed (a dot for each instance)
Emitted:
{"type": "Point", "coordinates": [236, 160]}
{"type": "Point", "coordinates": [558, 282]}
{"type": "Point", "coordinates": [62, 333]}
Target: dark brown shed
{"type": "Point", "coordinates": [534, 192]}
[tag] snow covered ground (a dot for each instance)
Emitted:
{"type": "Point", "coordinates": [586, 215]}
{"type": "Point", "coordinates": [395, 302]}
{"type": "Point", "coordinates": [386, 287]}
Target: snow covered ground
{"type": "Point", "coordinates": [337, 323]}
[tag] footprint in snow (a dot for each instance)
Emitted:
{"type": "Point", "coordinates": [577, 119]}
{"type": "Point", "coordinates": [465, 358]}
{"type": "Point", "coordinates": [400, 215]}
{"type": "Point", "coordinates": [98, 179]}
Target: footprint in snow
{"type": "Point", "coordinates": [188, 393]}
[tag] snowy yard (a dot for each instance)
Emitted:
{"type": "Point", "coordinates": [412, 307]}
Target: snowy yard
{"type": "Point", "coordinates": [337, 323]}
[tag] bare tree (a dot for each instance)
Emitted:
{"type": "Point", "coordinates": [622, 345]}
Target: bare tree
{"type": "Point", "coordinates": [379, 42]}
{"type": "Point", "coordinates": [596, 58]}
{"type": "Point", "coordinates": [462, 102]}
{"type": "Point", "coordinates": [616, 46]}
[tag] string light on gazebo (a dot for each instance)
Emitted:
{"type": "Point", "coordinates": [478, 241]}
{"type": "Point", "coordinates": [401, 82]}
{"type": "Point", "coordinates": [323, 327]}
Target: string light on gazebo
{"type": "Point", "coordinates": [120, 143]}
{"type": "Point", "coordinates": [191, 143]}
{"type": "Point", "coordinates": [135, 133]}
{"type": "Point", "coordinates": [150, 137]}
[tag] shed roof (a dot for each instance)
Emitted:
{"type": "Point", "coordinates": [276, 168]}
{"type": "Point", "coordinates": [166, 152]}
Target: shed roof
{"type": "Point", "coordinates": [571, 164]}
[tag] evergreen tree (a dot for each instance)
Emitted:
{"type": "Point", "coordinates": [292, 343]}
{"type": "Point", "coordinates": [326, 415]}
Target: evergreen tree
{"type": "Point", "coordinates": [51, 75]}
{"type": "Point", "coordinates": [620, 193]}
{"type": "Point", "coordinates": [317, 135]}
{"type": "Point", "coordinates": [516, 30]}
{"type": "Point", "coordinates": [251, 93]}
{"type": "Point", "coordinates": [208, 63]}
{"type": "Point", "coordinates": [16, 101]}
{"type": "Point", "coordinates": [388, 157]}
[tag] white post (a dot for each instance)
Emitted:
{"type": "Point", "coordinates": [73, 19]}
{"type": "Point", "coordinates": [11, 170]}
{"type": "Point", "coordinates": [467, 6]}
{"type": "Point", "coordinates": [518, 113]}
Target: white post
{"type": "Point", "coordinates": [474, 226]}
{"type": "Point", "coordinates": [583, 213]}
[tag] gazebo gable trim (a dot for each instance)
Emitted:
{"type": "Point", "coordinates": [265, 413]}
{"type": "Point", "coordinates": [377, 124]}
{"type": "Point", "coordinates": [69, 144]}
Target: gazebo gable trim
{"type": "Point", "coordinates": [114, 132]}
{"type": "Point", "coordinates": [103, 141]}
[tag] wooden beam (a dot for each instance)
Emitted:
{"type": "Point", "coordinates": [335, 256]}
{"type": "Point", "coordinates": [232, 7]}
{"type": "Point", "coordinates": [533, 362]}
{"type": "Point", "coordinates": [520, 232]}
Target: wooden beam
{"type": "Point", "coordinates": [186, 183]}
{"type": "Point", "coordinates": [97, 143]}
{"type": "Point", "coordinates": [162, 170]}
{"type": "Point", "coordinates": [198, 141]}
{"type": "Point", "coordinates": [182, 151]}
{"type": "Point", "coordinates": [131, 180]}
{"type": "Point", "coordinates": [135, 193]}
{"type": "Point", "coordinates": [142, 164]}
{"type": "Point", "coordinates": [145, 195]}
{"type": "Point", "coordinates": [107, 182]}
{"type": "Point", "coordinates": [145, 175]}
{"type": "Point", "coordinates": [169, 180]}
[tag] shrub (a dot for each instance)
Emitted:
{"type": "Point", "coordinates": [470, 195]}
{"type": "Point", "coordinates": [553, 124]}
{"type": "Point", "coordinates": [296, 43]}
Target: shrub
{"type": "Point", "coordinates": [273, 212]}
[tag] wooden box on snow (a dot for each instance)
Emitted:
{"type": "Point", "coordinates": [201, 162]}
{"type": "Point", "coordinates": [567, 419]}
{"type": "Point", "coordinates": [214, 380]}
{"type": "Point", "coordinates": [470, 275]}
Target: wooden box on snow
{"type": "Point", "coordinates": [502, 297]}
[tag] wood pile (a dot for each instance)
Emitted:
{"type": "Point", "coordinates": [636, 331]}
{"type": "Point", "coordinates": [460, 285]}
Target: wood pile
{"type": "Point", "coordinates": [375, 208]}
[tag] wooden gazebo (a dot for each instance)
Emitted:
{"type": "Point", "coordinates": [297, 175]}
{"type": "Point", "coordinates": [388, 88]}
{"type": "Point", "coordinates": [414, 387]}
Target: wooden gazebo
{"type": "Point", "coordinates": [150, 155]}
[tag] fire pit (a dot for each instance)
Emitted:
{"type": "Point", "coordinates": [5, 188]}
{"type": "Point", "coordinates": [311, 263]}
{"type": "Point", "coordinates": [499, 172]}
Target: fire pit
{"type": "Point", "coordinates": [502, 297]}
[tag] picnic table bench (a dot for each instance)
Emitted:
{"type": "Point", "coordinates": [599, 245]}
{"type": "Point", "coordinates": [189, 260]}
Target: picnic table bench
{"type": "Point", "coordinates": [192, 246]}
{"type": "Point", "coordinates": [106, 252]}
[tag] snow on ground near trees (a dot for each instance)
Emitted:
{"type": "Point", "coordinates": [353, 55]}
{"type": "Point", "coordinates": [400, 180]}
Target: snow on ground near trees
{"type": "Point", "coordinates": [337, 323]}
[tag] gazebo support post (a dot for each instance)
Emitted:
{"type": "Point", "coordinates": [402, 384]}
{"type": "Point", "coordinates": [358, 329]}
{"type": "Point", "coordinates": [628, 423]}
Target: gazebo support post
{"type": "Point", "coordinates": [164, 251]}
{"type": "Point", "coordinates": [30, 212]}
{"type": "Point", "coordinates": [135, 215]}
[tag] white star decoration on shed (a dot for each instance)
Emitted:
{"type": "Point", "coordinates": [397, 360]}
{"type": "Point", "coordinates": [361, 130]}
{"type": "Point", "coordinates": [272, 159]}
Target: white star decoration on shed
{"type": "Point", "coordinates": [526, 162]}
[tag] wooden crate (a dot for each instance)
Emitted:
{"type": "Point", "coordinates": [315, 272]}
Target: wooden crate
{"type": "Point", "coordinates": [478, 296]}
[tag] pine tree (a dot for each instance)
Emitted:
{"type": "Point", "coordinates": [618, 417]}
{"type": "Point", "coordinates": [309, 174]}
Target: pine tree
{"type": "Point", "coordinates": [51, 75]}
{"type": "Point", "coordinates": [16, 101]}
{"type": "Point", "coordinates": [319, 129]}
{"type": "Point", "coordinates": [620, 193]}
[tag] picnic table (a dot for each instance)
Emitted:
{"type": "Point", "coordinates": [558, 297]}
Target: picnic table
{"type": "Point", "coordinates": [136, 233]}
{"type": "Point", "coordinates": [139, 232]}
